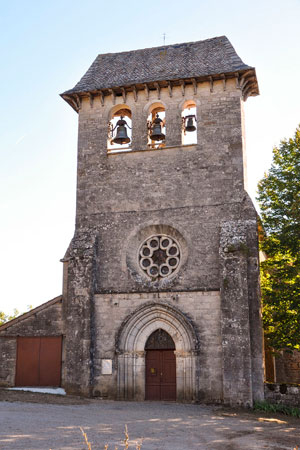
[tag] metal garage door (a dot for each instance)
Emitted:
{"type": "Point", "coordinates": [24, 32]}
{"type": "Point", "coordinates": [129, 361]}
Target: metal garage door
{"type": "Point", "coordinates": [38, 361]}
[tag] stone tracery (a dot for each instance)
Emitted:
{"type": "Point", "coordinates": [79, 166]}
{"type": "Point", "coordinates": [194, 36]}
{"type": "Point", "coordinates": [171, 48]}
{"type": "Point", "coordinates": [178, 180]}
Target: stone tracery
{"type": "Point", "coordinates": [159, 256]}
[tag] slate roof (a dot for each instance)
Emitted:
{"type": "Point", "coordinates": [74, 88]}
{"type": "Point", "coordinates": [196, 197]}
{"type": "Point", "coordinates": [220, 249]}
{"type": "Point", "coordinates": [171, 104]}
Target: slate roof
{"type": "Point", "coordinates": [170, 62]}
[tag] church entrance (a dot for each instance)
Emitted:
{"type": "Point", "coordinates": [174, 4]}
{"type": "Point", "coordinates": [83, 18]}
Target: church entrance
{"type": "Point", "coordinates": [160, 367]}
{"type": "Point", "coordinates": [157, 350]}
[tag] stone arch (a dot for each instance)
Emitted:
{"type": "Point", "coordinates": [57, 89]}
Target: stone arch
{"type": "Point", "coordinates": [189, 112]}
{"type": "Point", "coordinates": [156, 111]}
{"type": "Point", "coordinates": [152, 104]}
{"type": "Point", "coordinates": [130, 345]}
{"type": "Point", "coordinates": [119, 107]}
{"type": "Point", "coordinates": [160, 340]}
{"type": "Point", "coordinates": [117, 112]}
{"type": "Point", "coordinates": [184, 102]}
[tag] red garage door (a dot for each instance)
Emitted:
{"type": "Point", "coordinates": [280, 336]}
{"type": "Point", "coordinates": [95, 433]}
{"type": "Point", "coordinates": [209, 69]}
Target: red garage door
{"type": "Point", "coordinates": [38, 361]}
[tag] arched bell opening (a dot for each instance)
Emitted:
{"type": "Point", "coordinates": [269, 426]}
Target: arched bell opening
{"type": "Point", "coordinates": [160, 373]}
{"type": "Point", "coordinates": [119, 128]}
{"type": "Point", "coordinates": [189, 123]}
{"type": "Point", "coordinates": [156, 123]}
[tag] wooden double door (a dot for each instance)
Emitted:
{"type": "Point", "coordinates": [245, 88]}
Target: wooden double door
{"type": "Point", "coordinates": [160, 375]}
{"type": "Point", "coordinates": [39, 361]}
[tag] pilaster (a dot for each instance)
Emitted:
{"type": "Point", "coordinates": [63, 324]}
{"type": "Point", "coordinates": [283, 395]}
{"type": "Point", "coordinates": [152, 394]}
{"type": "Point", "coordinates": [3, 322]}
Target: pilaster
{"type": "Point", "coordinates": [79, 314]}
{"type": "Point", "coordinates": [235, 326]}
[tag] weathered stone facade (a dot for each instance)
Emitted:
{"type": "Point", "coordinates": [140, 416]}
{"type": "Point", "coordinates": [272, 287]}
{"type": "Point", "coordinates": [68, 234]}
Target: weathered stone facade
{"type": "Point", "coordinates": [195, 195]}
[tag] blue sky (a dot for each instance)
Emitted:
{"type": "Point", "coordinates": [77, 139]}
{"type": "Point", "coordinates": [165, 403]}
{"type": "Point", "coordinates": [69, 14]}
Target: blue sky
{"type": "Point", "coordinates": [45, 49]}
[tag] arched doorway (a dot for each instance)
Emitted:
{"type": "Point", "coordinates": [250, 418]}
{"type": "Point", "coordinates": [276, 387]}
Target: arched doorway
{"type": "Point", "coordinates": [131, 355]}
{"type": "Point", "coordinates": [160, 367]}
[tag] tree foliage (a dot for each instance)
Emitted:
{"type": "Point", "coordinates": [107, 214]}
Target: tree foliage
{"type": "Point", "coordinates": [279, 199]}
{"type": "Point", "coordinates": [6, 317]}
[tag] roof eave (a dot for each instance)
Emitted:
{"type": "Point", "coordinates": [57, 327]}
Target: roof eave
{"type": "Point", "coordinates": [246, 81]}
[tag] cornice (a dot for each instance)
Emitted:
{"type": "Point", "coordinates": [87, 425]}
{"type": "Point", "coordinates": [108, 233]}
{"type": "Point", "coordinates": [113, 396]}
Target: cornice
{"type": "Point", "coordinates": [245, 80]}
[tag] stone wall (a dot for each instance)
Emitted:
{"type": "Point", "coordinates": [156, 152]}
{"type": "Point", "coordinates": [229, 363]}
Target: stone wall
{"type": "Point", "coordinates": [78, 312]}
{"type": "Point", "coordinates": [282, 393]}
{"type": "Point", "coordinates": [241, 313]}
{"type": "Point", "coordinates": [200, 309]}
{"type": "Point", "coordinates": [8, 355]}
{"type": "Point", "coordinates": [191, 188]}
{"type": "Point", "coordinates": [282, 367]}
{"type": "Point", "coordinates": [157, 179]}
{"type": "Point", "coordinates": [287, 367]}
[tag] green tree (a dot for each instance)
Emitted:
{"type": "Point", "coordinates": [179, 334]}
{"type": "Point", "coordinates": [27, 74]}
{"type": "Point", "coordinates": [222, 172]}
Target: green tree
{"type": "Point", "coordinates": [279, 200]}
{"type": "Point", "coordinates": [6, 317]}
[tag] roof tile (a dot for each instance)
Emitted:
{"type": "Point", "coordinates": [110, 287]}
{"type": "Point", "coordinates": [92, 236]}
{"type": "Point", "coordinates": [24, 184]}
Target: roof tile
{"type": "Point", "coordinates": [171, 62]}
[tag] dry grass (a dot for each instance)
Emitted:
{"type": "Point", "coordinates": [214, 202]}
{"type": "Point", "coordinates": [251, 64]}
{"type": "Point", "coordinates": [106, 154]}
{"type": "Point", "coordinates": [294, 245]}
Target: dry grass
{"type": "Point", "coordinates": [126, 441]}
{"type": "Point", "coordinates": [88, 444]}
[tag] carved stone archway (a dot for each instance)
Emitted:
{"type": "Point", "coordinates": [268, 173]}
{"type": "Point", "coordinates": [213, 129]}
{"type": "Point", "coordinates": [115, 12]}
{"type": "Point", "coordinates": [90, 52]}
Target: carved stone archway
{"type": "Point", "coordinates": [131, 342]}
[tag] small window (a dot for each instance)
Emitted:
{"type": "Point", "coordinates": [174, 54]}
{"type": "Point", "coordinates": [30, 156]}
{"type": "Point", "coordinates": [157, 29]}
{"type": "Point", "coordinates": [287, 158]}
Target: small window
{"type": "Point", "coordinates": [119, 129]}
{"type": "Point", "coordinates": [156, 126]}
{"type": "Point", "coordinates": [189, 123]}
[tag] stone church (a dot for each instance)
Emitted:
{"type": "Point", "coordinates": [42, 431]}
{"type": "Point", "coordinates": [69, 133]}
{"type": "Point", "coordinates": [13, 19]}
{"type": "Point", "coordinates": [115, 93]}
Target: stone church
{"type": "Point", "coordinates": [160, 293]}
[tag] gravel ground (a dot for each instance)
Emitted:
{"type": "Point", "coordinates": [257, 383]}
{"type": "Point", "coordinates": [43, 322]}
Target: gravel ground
{"type": "Point", "coordinates": [31, 421]}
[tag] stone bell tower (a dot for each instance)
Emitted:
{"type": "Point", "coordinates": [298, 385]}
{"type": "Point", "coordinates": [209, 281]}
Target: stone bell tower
{"type": "Point", "coordinates": [161, 281]}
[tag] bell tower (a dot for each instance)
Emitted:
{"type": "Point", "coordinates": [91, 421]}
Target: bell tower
{"type": "Point", "coordinates": [166, 236]}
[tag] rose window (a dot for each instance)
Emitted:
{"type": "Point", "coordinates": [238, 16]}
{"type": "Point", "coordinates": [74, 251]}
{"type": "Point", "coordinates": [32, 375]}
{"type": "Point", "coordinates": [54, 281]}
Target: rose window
{"type": "Point", "coordinates": [159, 256]}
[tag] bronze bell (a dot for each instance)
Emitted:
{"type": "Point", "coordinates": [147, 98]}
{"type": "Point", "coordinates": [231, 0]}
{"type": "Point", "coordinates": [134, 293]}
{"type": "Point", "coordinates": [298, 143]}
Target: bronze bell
{"type": "Point", "coordinates": [121, 135]}
{"type": "Point", "coordinates": [156, 134]}
{"type": "Point", "coordinates": [190, 123]}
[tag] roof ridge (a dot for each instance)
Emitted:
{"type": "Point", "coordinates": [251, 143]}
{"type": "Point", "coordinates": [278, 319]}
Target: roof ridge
{"type": "Point", "coordinates": [163, 46]}
{"type": "Point", "coordinates": [30, 312]}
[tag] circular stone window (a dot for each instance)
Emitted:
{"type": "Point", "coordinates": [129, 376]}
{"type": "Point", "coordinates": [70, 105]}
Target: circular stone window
{"type": "Point", "coordinates": [159, 256]}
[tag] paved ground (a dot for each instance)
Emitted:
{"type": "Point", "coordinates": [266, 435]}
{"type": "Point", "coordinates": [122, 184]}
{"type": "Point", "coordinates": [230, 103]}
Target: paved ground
{"type": "Point", "coordinates": [160, 426]}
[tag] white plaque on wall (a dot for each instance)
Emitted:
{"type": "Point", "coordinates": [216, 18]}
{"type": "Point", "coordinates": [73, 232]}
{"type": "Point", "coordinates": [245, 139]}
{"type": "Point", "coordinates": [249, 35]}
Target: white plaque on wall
{"type": "Point", "coordinates": [106, 366]}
